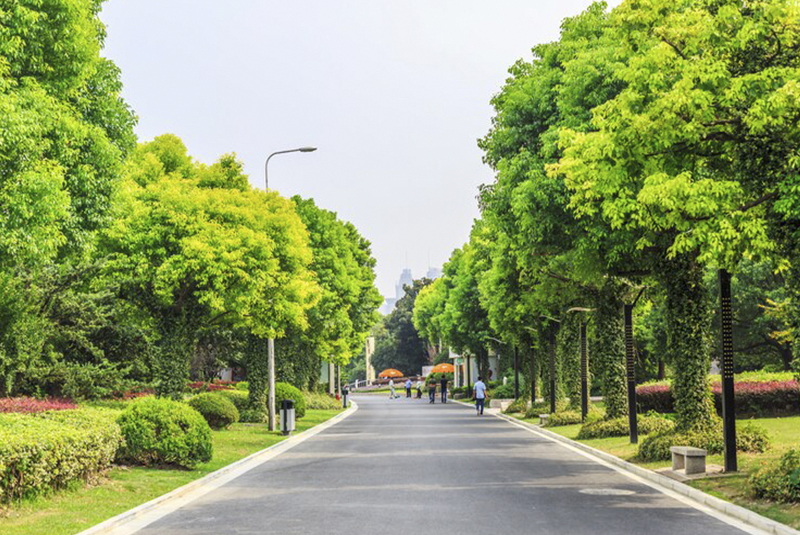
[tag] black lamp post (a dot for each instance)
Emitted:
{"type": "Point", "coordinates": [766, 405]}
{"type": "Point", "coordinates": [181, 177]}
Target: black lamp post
{"type": "Point", "coordinates": [728, 401]}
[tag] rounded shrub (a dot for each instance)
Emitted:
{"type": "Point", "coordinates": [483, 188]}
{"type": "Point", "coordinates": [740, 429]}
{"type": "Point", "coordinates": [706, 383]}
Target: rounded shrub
{"type": "Point", "coordinates": [520, 405]}
{"type": "Point", "coordinates": [287, 391]}
{"type": "Point", "coordinates": [504, 391]}
{"type": "Point", "coordinates": [162, 431]}
{"type": "Point", "coordinates": [239, 398]}
{"type": "Point", "coordinates": [242, 385]}
{"type": "Point", "coordinates": [219, 411]}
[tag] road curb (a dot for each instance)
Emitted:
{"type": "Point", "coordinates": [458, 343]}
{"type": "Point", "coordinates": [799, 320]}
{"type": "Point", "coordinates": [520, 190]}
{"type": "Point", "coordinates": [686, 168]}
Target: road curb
{"type": "Point", "coordinates": [140, 516]}
{"type": "Point", "coordinates": [700, 498]}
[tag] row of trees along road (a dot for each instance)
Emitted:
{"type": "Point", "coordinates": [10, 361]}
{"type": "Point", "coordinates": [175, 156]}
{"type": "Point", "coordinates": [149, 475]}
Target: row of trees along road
{"type": "Point", "coordinates": [121, 263]}
{"type": "Point", "coordinates": [648, 147]}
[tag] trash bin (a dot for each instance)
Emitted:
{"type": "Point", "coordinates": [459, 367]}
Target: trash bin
{"type": "Point", "coordinates": [287, 416]}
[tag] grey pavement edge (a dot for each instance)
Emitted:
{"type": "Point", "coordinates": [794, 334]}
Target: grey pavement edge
{"type": "Point", "coordinates": [404, 465]}
{"type": "Point", "coordinates": [135, 519]}
{"type": "Point", "coordinates": [698, 498]}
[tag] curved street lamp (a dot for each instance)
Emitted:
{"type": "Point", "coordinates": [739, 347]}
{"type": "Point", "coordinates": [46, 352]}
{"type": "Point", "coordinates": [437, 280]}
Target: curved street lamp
{"type": "Point", "coordinates": [271, 341]}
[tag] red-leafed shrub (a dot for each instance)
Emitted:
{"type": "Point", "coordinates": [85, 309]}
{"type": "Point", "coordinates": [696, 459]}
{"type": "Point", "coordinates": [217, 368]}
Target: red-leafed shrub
{"type": "Point", "coordinates": [33, 405]}
{"type": "Point", "coordinates": [768, 398]}
{"type": "Point", "coordinates": [137, 394]}
{"type": "Point", "coordinates": [654, 398]}
{"type": "Point", "coordinates": [200, 386]}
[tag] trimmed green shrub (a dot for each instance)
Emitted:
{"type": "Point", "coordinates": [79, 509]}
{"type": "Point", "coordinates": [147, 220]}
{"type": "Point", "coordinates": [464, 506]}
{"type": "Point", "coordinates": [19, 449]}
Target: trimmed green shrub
{"type": "Point", "coordinates": [749, 438]}
{"type": "Point", "coordinates": [287, 391]}
{"type": "Point", "coordinates": [318, 401]}
{"type": "Point", "coordinates": [572, 417]}
{"type": "Point", "coordinates": [242, 385]}
{"type": "Point", "coordinates": [218, 411]}
{"type": "Point", "coordinates": [779, 481]}
{"type": "Point", "coordinates": [239, 398]}
{"type": "Point", "coordinates": [47, 451]}
{"type": "Point", "coordinates": [505, 391]}
{"type": "Point", "coordinates": [520, 405]}
{"type": "Point", "coordinates": [543, 407]}
{"type": "Point", "coordinates": [618, 427]}
{"type": "Point", "coordinates": [161, 431]}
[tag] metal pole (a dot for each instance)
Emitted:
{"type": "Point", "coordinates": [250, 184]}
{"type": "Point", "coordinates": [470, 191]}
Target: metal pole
{"type": "Point", "coordinates": [271, 342]}
{"type": "Point", "coordinates": [584, 374]}
{"type": "Point", "coordinates": [552, 369]}
{"type": "Point", "coordinates": [728, 400]}
{"type": "Point", "coordinates": [533, 377]}
{"type": "Point", "coordinates": [630, 361]}
{"type": "Point", "coordinates": [271, 393]}
{"type": "Point", "coordinates": [516, 372]}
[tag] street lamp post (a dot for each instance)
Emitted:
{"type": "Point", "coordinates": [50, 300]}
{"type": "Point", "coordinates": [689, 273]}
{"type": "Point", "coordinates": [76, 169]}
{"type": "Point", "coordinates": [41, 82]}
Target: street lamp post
{"type": "Point", "coordinates": [271, 341]}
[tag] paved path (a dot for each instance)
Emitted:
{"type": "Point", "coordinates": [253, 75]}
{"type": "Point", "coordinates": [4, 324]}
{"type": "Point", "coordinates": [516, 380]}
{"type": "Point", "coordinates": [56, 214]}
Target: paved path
{"type": "Point", "coordinates": [404, 466]}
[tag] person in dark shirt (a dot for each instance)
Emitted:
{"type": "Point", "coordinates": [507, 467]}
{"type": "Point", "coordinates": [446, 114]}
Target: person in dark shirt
{"type": "Point", "coordinates": [432, 391]}
{"type": "Point", "coordinates": [443, 385]}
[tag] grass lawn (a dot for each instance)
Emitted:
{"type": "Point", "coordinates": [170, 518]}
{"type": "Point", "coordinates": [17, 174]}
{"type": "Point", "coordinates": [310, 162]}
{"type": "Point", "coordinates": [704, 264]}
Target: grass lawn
{"type": "Point", "coordinates": [785, 434]}
{"type": "Point", "coordinates": [72, 511]}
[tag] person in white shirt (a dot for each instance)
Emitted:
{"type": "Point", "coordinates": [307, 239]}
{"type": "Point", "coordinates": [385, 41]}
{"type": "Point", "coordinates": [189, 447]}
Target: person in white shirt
{"type": "Point", "coordinates": [391, 389]}
{"type": "Point", "coordinates": [408, 388]}
{"type": "Point", "coordinates": [479, 394]}
{"type": "Point", "coordinates": [419, 389]}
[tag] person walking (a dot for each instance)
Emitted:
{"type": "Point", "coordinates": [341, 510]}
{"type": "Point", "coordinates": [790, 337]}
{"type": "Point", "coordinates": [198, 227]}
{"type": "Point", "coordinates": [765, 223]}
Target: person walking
{"type": "Point", "coordinates": [431, 391]}
{"type": "Point", "coordinates": [408, 388]}
{"type": "Point", "coordinates": [345, 392]}
{"type": "Point", "coordinates": [443, 385]}
{"type": "Point", "coordinates": [419, 388]}
{"type": "Point", "coordinates": [479, 395]}
{"type": "Point", "coordinates": [391, 389]}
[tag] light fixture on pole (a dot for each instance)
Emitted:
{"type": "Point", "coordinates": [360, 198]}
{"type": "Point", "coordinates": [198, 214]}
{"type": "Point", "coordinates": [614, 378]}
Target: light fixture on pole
{"type": "Point", "coordinates": [271, 341]}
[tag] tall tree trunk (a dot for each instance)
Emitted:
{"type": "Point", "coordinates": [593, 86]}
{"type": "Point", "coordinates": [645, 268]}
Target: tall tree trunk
{"type": "Point", "coordinates": [687, 322]}
{"type": "Point", "coordinates": [175, 353]}
{"type": "Point", "coordinates": [257, 378]}
{"type": "Point", "coordinates": [609, 348]}
{"type": "Point", "coordinates": [568, 354]}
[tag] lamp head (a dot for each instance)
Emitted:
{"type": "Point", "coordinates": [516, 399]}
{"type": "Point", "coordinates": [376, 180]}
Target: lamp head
{"type": "Point", "coordinates": [308, 149]}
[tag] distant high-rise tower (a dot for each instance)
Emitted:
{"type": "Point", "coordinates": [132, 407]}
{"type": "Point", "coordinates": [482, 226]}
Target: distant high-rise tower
{"type": "Point", "coordinates": [433, 273]}
{"type": "Point", "coordinates": [405, 280]}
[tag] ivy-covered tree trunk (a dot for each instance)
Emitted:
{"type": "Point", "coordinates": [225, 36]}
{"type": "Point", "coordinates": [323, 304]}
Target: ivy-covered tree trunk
{"type": "Point", "coordinates": [174, 355]}
{"type": "Point", "coordinates": [609, 348]}
{"type": "Point", "coordinates": [568, 354]}
{"type": "Point", "coordinates": [546, 344]}
{"type": "Point", "coordinates": [257, 363]}
{"type": "Point", "coordinates": [687, 321]}
{"type": "Point", "coordinates": [533, 373]}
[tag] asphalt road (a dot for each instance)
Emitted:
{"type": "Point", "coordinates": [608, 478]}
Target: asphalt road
{"type": "Point", "coordinates": [404, 466]}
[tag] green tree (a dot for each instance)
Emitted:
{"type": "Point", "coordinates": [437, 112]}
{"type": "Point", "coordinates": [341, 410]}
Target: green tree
{"type": "Point", "coordinates": [194, 254]}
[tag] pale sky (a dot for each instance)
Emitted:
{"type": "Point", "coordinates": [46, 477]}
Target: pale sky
{"type": "Point", "coordinates": [394, 93]}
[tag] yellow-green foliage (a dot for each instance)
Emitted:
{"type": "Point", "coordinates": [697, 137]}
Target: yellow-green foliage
{"type": "Point", "coordinates": [47, 451]}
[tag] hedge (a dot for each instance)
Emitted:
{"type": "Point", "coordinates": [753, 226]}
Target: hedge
{"type": "Point", "coordinates": [239, 398]}
{"type": "Point", "coordinates": [48, 451]}
{"type": "Point", "coordinates": [618, 427]}
{"type": "Point", "coordinates": [771, 398]}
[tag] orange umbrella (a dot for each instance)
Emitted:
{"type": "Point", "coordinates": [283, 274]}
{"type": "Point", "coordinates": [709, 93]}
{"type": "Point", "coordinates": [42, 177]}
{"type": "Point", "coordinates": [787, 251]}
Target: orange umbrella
{"type": "Point", "coordinates": [390, 372]}
{"type": "Point", "coordinates": [444, 367]}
